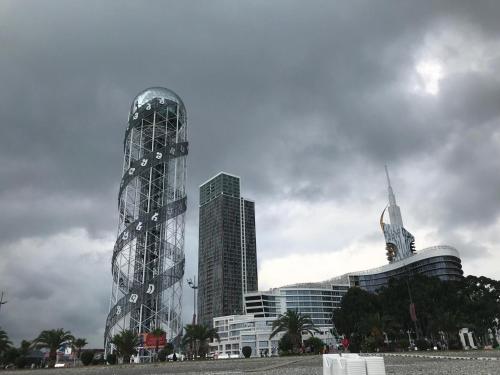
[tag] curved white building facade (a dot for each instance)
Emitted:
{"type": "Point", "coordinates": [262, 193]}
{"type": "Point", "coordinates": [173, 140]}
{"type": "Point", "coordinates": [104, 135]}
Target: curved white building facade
{"type": "Point", "coordinates": [436, 261]}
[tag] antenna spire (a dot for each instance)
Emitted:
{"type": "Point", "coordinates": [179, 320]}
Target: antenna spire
{"type": "Point", "coordinates": [392, 198]}
{"type": "Point", "coordinates": [394, 211]}
{"type": "Point", "coordinates": [387, 175]}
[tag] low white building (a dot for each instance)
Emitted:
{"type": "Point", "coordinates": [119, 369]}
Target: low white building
{"type": "Point", "coordinates": [317, 300]}
{"type": "Point", "coordinates": [237, 331]}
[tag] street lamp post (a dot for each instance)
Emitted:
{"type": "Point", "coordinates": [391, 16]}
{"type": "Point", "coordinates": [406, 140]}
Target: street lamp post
{"type": "Point", "coordinates": [2, 302]}
{"type": "Point", "coordinates": [413, 313]}
{"type": "Point", "coordinates": [192, 285]}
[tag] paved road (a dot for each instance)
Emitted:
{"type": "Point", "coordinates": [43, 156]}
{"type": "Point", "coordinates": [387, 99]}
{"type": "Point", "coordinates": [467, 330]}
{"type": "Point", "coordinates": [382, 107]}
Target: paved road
{"type": "Point", "coordinates": [312, 365]}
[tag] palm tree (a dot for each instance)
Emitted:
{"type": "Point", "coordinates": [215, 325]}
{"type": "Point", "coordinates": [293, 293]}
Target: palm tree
{"type": "Point", "coordinates": [4, 341]}
{"type": "Point", "coordinates": [157, 333]}
{"type": "Point", "coordinates": [24, 348]}
{"type": "Point", "coordinates": [197, 335]}
{"type": "Point", "coordinates": [52, 339]}
{"type": "Point", "coordinates": [126, 343]}
{"type": "Point", "coordinates": [78, 344]}
{"type": "Point", "coordinates": [294, 324]}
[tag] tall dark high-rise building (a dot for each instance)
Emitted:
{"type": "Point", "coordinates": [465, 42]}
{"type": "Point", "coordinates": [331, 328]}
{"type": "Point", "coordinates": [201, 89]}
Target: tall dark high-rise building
{"type": "Point", "coordinates": [227, 255]}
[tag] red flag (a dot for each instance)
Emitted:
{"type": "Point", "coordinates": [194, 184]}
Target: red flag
{"type": "Point", "coordinates": [345, 342]}
{"type": "Point", "coordinates": [413, 313]}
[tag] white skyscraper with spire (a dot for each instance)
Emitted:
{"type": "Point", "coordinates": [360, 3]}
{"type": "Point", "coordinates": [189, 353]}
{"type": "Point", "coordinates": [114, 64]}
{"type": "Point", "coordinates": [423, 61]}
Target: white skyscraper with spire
{"type": "Point", "coordinates": [400, 243]}
{"type": "Point", "coordinates": [394, 211]}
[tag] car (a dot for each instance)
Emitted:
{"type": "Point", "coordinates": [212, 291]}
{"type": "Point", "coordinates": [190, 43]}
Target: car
{"type": "Point", "coordinates": [226, 356]}
{"type": "Point", "coordinates": [180, 357]}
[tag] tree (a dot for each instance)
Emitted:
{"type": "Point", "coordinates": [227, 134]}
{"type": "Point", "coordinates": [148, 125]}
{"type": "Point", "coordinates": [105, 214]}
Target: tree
{"type": "Point", "coordinates": [4, 341]}
{"type": "Point", "coordinates": [482, 297]}
{"type": "Point", "coordinates": [285, 346]}
{"type": "Point", "coordinates": [157, 333]}
{"type": "Point", "coordinates": [126, 343]}
{"type": "Point", "coordinates": [24, 348]}
{"type": "Point", "coordinates": [294, 324]}
{"type": "Point", "coordinates": [442, 308]}
{"type": "Point", "coordinates": [315, 344]}
{"type": "Point", "coordinates": [356, 307]}
{"type": "Point", "coordinates": [22, 354]}
{"type": "Point", "coordinates": [168, 348]}
{"type": "Point", "coordinates": [10, 355]}
{"type": "Point", "coordinates": [197, 336]}
{"type": "Point", "coordinates": [87, 357]}
{"type": "Point", "coordinates": [52, 339]}
{"type": "Point", "coordinates": [162, 355]}
{"type": "Point", "coordinates": [78, 344]}
{"type": "Point", "coordinates": [247, 351]}
{"type": "Point", "coordinates": [20, 362]}
{"type": "Point", "coordinates": [111, 359]}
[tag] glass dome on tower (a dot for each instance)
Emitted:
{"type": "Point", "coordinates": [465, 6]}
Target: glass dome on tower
{"type": "Point", "coordinates": [152, 93]}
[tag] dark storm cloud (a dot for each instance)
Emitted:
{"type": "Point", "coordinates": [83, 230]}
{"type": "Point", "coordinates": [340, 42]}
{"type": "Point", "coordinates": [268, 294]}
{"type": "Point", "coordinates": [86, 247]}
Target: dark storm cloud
{"type": "Point", "coordinates": [303, 101]}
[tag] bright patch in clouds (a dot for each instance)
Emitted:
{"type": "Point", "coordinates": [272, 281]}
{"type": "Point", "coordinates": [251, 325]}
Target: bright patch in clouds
{"type": "Point", "coordinates": [429, 74]}
{"type": "Point", "coordinates": [447, 52]}
{"type": "Point", "coordinates": [318, 266]}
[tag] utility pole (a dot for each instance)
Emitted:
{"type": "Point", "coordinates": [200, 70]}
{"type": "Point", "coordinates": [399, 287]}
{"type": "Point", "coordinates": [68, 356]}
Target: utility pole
{"type": "Point", "coordinates": [192, 285]}
{"type": "Point", "coordinates": [413, 314]}
{"type": "Point", "coordinates": [2, 302]}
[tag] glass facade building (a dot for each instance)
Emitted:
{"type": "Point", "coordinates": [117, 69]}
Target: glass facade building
{"type": "Point", "coordinates": [237, 331]}
{"type": "Point", "coordinates": [227, 256]}
{"type": "Point", "coordinates": [437, 261]}
{"type": "Point", "coordinates": [404, 261]}
{"type": "Point", "coordinates": [318, 300]}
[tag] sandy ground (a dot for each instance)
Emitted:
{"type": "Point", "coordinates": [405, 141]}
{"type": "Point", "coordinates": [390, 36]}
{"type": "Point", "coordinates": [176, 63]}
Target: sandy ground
{"type": "Point", "coordinates": [451, 363]}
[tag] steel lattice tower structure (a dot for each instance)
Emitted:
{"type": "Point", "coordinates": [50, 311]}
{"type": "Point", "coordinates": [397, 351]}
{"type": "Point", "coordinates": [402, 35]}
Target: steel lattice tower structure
{"type": "Point", "coordinates": [148, 257]}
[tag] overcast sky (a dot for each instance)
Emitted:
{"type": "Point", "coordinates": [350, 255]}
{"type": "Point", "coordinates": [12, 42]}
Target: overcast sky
{"type": "Point", "coordinates": [305, 100]}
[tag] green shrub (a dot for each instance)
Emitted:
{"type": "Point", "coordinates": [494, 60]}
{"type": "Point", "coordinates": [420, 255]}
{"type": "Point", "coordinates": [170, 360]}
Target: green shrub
{"type": "Point", "coordinates": [111, 359]}
{"type": "Point", "coordinates": [98, 361]}
{"type": "Point", "coordinates": [247, 351]}
{"type": "Point", "coordinates": [10, 356]}
{"type": "Point", "coordinates": [162, 355]}
{"type": "Point", "coordinates": [372, 344]}
{"type": "Point", "coordinates": [87, 357]}
{"type": "Point", "coordinates": [495, 342]}
{"type": "Point", "coordinates": [285, 345]}
{"type": "Point", "coordinates": [454, 343]}
{"type": "Point", "coordinates": [315, 343]}
{"type": "Point", "coordinates": [169, 348]}
{"type": "Point", "coordinates": [402, 344]}
{"type": "Point", "coordinates": [422, 344]}
{"type": "Point", "coordinates": [355, 343]}
{"type": "Point", "coordinates": [21, 362]}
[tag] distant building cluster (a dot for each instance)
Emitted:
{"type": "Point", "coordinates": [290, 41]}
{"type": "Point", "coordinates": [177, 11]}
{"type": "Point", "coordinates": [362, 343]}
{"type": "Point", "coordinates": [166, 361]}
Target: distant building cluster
{"type": "Point", "coordinates": [148, 257]}
{"type": "Point", "coordinates": [317, 299]}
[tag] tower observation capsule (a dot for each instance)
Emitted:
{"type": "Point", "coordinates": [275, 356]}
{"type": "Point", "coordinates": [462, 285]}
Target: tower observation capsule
{"type": "Point", "coordinates": [148, 257]}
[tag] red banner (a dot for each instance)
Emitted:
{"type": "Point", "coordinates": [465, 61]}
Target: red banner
{"type": "Point", "coordinates": [413, 313]}
{"type": "Point", "coordinates": [151, 341]}
{"type": "Point", "coordinates": [345, 343]}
